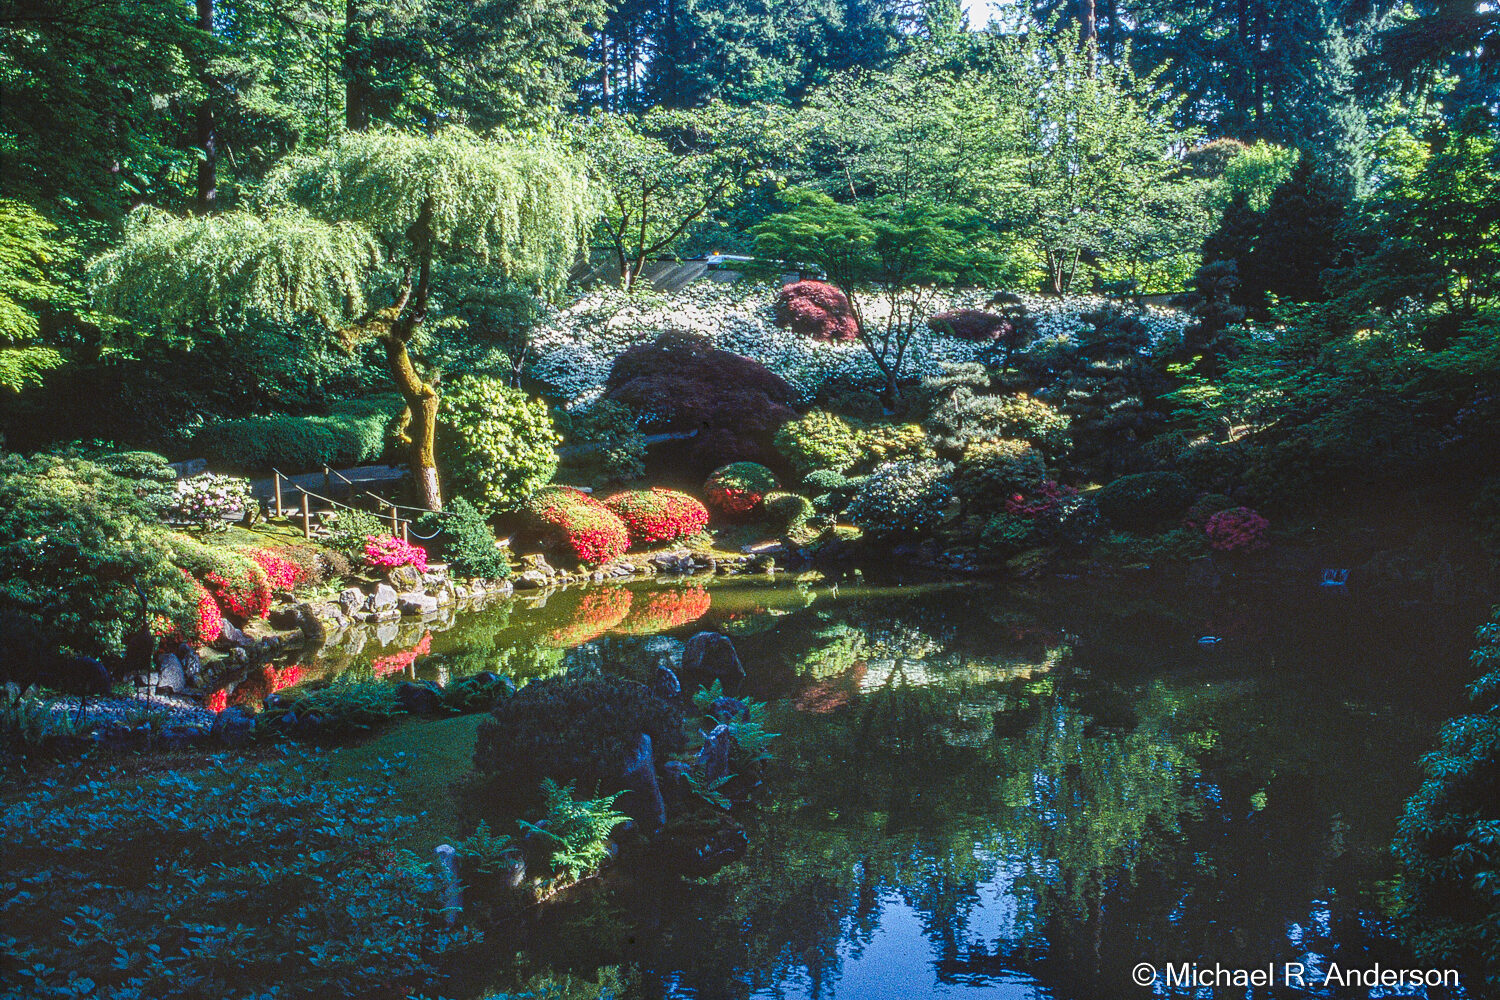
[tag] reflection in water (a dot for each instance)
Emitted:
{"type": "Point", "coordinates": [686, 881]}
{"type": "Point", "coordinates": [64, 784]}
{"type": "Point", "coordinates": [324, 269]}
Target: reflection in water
{"type": "Point", "coordinates": [1017, 792]}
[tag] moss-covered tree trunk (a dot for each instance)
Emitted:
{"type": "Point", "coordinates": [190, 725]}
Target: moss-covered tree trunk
{"type": "Point", "coordinates": [420, 396]}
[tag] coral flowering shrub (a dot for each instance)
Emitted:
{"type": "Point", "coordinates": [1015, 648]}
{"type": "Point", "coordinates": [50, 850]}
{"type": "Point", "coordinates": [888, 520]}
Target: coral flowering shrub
{"type": "Point", "coordinates": [573, 525]}
{"type": "Point", "coordinates": [658, 515]}
{"type": "Point", "coordinates": [388, 552]}
{"type": "Point", "coordinates": [1238, 529]}
{"type": "Point", "coordinates": [816, 309]}
{"type": "Point", "coordinates": [205, 626]}
{"type": "Point", "coordinates": [244, 594]}
{"type": "Point", "coordinates": [282, 573]}
{"type": "Point", "coordinates": [736, 489]}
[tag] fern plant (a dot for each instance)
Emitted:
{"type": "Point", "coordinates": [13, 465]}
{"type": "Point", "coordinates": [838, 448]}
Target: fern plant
{"type": "Point", "coordinates": [577, 829]}
{"type": "Point", "coordinates": [752, 742]}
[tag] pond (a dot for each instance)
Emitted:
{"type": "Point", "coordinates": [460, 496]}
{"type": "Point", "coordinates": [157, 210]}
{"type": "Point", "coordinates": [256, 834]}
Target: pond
{"type": "Point", "coordinates": [1018, 791]}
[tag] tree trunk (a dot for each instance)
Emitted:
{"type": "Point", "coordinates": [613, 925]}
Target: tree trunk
{"type": "Point", "coordinates": [207, 188]}
{"type": "Point", "coordinates": [1090, 34]}
{"type": "Point", "coordinates": [356, 86]}
{"type": "Point", "coordinates": [421, 430]}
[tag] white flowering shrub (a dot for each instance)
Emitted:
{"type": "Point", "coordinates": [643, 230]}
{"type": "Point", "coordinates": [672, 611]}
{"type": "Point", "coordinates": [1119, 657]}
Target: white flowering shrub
{"type": "Point", "coordinates": [903, 499]}
{"type": "Point", "coordinates": [574, 346]}
{"type": "Point", "coordinates": [206, 500]}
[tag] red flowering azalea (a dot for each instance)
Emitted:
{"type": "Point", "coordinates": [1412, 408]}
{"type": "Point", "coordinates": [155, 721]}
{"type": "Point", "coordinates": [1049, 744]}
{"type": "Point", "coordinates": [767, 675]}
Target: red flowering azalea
{"type": "Point", "coordinates": [245, 595]}
{"type": "Point", "coordinates": [282, 573]}
{"type": "Point", "coordinates": [1041, 501]}
{"type": "Point", "coordinates": [663, 610]}
{"type": "Point", "coordinates": [205, 626]}
{"type": "Point", "coordinates": [658, 515]}
{"type": "Point", "coordinates": [574, 526]}
{"type": "Point", "coordinates": [218, 701]}
{"type": "Point", "coordinates": [1238, 529]}
{"type": "Point", "coordinates": [737, 489]}
{"type": "Point", "coordinates": [388, 552]}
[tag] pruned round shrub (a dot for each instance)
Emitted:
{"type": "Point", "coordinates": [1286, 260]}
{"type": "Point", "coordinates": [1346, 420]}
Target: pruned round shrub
{"type": "Point", "coordinates": [668, 608]}
{"type": "Point", "coordinates": [572, 728]}
{"type": "Point", "coordinates": [816, 309]}
{"type": "Point", "coordinates": [496, 445]}
{"type": "Point", "coordinates": [571, 525]}
{"type": "Point", "coordinates": [238, 585]}
{"type": "Point", "coordinates": [679, 383]}
{"type": "Point", "coordinates": [352, 432]}
{"type": "Point", "coordinates": [883, 443]}
{"type": "Point", "coordinates": [903, 499]}
{"type": "Point", "coordinates": [658, 515]}
{"type": "Point", "coordinates": [1238, 529]}
{"type": "Point", "coordinates": [993, 470]}
{"type": "Point", "coordinates": [281, 571]}
{"type": "Point", "coordinates": [786, 513]}
{"type": "Point", "coordinates": [388, 552]}
{"type": "Point", "coordinates": [737, 489]}
{"type": "Point", "coordinates": [1145, 501]}
{"type": "Point", "coordinates": [820, 440]}
{"type": "Point", "coordinates": [465, 540]}
{"type": "Point", "coordinates": [206, 501]}
{"type": "Point", "coordinates": [1205, 507]}
{"type": "Point", "coordinates": [964, 416]}
{"type": "Point", "coordinates": [969, 324]}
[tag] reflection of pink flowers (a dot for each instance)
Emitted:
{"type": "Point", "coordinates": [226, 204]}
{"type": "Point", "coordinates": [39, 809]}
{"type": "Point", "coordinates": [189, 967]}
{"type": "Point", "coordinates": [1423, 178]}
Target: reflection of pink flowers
{"type": "Point", "coordinates": [826, 697]}
{"type": "Point", "coordinates": [598, 611]}
{"type": "Point", "coordinates": [388, 552]}
{"type": "Point", "coordinates": [666, 609]}
{"type": "Point", "coordinates": [1238, 529]}
{"type": "Point", "coordinates": [399, 662]}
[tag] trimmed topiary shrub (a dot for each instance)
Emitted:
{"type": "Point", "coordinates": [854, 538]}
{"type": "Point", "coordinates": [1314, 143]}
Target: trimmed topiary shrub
{"type": "Point", "coordinates": [495, 444]}
{"type": "Point", "coordinates": [963, 417]}
{"type": "Point", "coordinates": [572, 525]}
{"type": "Point", "coordinates": [786, 513]}
{"type": "Point", "coordinates": [353, 431]}
{"type": "Point", "coordinates": [680, 382]}
{"type": "Point", "coordinates": [573, 728]}
{"type": "Point", "coordinates": [903, 499]}
{"type": "Point", "coordinates": [992, 471]}
{"type": "Point", "coordinates": [883, 443]}
{"type": "Point", "coordinates": [820, 440]}
{"type": "Point", "coordinates": [737, 489]}
{"type": "Point", "coordinates": [816, 309]}
{"type": "Point", "coordinates": [969, 324]}
{"type": "Point", "coordinates": [1144, 502]}
{"type": "Point", "coordinates": [658, 515]}
{"type": "Point", "coordinates": [465, 541]}
{"type": "Point", "coordinates": [238, 585]}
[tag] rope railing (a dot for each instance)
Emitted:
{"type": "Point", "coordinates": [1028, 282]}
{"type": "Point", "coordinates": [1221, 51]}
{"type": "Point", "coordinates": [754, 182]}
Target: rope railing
{"type": "Point", "coordinates": [401, 526]}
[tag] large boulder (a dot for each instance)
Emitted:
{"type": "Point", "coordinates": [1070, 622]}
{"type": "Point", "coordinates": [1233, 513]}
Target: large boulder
{"type": "Point", "coordinates": [419, 698]}
{"type": "Point", "coordinates": [712, 655]}
{"type": "Point", "coordinates": [168, 677]}
{"type": "Point", "coordinates": [713, 758]}
{"type": "Point", "coordinates": [642, 800]}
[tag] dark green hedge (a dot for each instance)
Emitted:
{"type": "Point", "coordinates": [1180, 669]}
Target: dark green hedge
{"type": "Point", "coordinates": [354, 431]}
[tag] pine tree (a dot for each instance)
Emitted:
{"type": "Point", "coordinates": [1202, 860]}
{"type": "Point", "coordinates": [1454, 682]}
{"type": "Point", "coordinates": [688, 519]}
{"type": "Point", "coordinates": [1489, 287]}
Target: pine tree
{"type": "Point", "coordinates": [1298, 238]}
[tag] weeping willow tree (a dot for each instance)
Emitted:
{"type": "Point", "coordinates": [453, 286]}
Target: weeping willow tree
{"type": "Point", "coordinates": [353, 235]}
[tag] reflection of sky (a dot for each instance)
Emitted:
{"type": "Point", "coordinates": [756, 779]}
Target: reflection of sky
{"type": "Point", "coordinates": [900, 959]}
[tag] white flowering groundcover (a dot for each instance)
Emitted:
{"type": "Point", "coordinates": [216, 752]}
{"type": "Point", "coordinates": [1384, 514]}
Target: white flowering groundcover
{"type": "Point", "coordinates": [574, 346]}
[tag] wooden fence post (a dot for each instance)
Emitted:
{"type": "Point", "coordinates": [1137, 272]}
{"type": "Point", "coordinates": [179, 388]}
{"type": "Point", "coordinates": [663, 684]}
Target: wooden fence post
{"type": "Point", "coordinates": [395, 520]}
{"type": "Point", "coordinates": [276, 480]}
{"type": "Point", "coordinates": [306, 517]}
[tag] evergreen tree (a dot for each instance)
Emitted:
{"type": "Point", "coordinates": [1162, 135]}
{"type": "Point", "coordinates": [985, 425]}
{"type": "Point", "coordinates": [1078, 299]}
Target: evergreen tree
{"type": "Point", "coordinates": [1298, 238]}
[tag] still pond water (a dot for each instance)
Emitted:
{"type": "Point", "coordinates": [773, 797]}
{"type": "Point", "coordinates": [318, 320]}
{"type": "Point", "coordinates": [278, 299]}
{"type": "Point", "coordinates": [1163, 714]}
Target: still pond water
{"type": "Point", "coordinates": [999, 791]}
